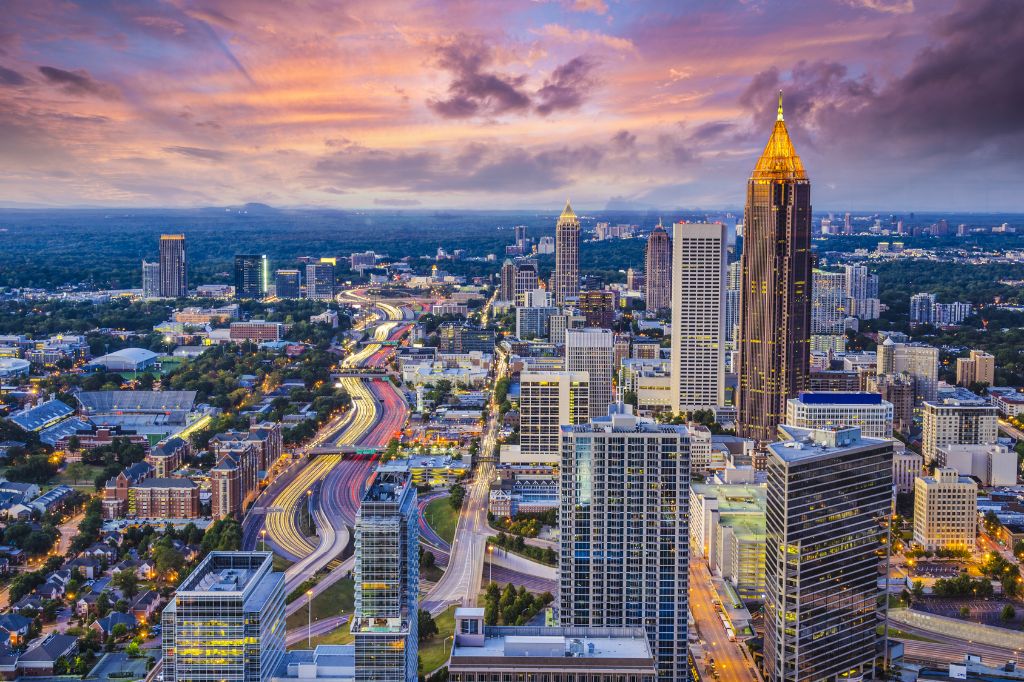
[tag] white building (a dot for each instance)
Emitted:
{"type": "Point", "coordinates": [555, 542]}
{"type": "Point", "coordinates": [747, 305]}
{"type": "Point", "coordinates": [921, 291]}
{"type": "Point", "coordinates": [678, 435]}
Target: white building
{"type": "Point", "coordinates": [698, 315]}
{"type": "Point", "coordinates": [906, 467]}
{"type": "Point", "coordinates": [826, 409]}
{"type": "Point", "coordinates": [945, 511]}
{"type": "Point", "coordinates": [546, 401]}
{"type": "Point", "coordinates": [919, 360]}
{"type": "Point", "coordinates": [962, 419]}
{"type": "Point", "coordinates": [590, 350]}
{"type": "Point", "coordinates": [993, 465]}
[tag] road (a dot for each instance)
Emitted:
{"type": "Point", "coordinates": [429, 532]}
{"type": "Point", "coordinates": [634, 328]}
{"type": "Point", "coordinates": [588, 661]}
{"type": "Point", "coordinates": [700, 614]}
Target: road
{"type": "Point", "coordinates": [1010, 430]}
{"type": "Point", "coordinates": [68, 530]}
{"type": "Point", "coordinates": [320, 627]}
{"type": "Point", "coordinates": [730, 662]}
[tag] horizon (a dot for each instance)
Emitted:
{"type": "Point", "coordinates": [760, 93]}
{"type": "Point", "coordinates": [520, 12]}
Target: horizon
{"type": "Point", "coordinates": [397, 105]}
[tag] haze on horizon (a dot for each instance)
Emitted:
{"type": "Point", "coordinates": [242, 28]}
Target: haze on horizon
{"type": "Point", "coordinates": [508, 104]}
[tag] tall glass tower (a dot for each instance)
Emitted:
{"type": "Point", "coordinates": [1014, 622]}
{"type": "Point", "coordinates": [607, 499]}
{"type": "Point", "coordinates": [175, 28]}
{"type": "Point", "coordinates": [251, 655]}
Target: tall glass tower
{"type": "Point", "coordinates": [658, 270]}
{"type": "Point", "coordinates": [567, 256]}
{"type": "Point", "coordinates": [173, 267]}
{"type": "Point", "coordinates": [387, 576]}
{"type": "Point", "coordinates": [252, 275]}
{"type": "Point", "coordinates": [775, 299]}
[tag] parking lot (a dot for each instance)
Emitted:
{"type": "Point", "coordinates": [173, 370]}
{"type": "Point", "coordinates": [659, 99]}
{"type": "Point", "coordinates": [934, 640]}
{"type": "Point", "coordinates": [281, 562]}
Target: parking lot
{"type": "Point", "coordinates": [119, 667]}
{"type": "Point", "coordinates": [985, 611]}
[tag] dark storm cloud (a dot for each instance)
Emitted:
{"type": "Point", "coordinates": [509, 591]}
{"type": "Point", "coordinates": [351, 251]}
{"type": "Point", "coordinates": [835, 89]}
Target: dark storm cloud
{"type": "Point", "coordinates": [10, 77]}
{"type": "Point", "coordinates": [475, 90]}
{"type": "Point", "coordinates": [567, 86]}
{"type": "Point", "coordinates": [473, 167]}
{"type": "Point", "coordinates": [77, 82]}
{"type": "Point", "coordinates": [962, 92]}
{"type": "Point", "coordinates": [198, 153]}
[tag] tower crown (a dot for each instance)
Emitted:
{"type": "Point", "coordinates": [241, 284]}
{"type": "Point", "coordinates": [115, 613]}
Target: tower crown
{"type": "Point", "coordinates": [567, 213]}
{"type": "Point", "coordinates": [779, 160]}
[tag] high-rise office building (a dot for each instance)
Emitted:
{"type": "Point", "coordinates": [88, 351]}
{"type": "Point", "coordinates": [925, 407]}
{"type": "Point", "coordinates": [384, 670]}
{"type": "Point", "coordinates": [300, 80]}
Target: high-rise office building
{"type": "Point", "coordinates": [387, 575]}
{"type": "Point", "coordinates": [775, 309]}
{"type": "Point", "coordinates": [590, 350]}
{"type": "Point", "coordinates": [698, 330]}
{"type": "Point", "coordinates": [173, 266]}
{"type": "Point", "coordinates": [829, 494]}
{"type": "Point", "coordinates": [732, 304]}
{"type": "Point", "coordinates": [964, 419]}
{"type": "Point", "coordinates": [288, 283]}
{"type": "Point", "coordinates": [598, 307]}
{"type": "Point", "coordinates": [624, 520]}
{"type": "Point", "coordinates": [978, 368]}
{"type": "Point", "coordinates": [658, 270]}
{"type": "Point", "coordinates": [919, 360]}
{"type": "Point", "coordinates": [226, 621]}
{"type": "Point", "coordinates": [252, 274]}
{"type": "Point", "coordinates": [546, 401]}
{"type": "Point", "coordinates": [828, 303]}
{"type": "Point", "coordinates": [945, 511]}
{"type": "Point", "coordinates": [150, 279]}
{"type": "Point", "coordinates": [525, 279]}
{"type": "Point", "coordinates": [461, 337]}
{"type": "Point", "coordinates": [897, 389]}
{"type": "Point", "coordinates": [835, 409]}
{"type": "Point", "coordinates": [507, 281]}
{"type": "Point", "coordinates": [566, 278]}
{"type": "Point", "coordinates": [532, 317]}
{"type": "Point", "coordinates": [320, 280]}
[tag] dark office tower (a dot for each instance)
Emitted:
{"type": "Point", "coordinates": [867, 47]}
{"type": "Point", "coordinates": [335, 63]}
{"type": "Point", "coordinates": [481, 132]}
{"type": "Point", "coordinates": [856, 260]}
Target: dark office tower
{"type": "Point", "coordinates": [507, 287]}
{"type": "Point", "coordinates": [599, 308]}
{"type": "Point", "coordinates": [287, 283]}
{"type": "Point", "coordinates": [320, 280]}
{"type": "Point", "coordinates": [173, 269]}
{"type": "Point", "coordinates": [251, 275]}
{"type": "Point", "coordinates": [521, 240]}
{"type": "Point", "coordinates": [566, 279]}
{"type": "Point", "coordinates": [775, 301]}
{"type": "Point", "coordinates": [658, 270]}
{"type": "Point", "coordinates": [828, 498]}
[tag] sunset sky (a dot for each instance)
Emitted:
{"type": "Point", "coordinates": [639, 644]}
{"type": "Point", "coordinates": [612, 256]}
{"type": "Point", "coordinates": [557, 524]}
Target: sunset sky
{"type": "Point", "coordinates": [893, 104]}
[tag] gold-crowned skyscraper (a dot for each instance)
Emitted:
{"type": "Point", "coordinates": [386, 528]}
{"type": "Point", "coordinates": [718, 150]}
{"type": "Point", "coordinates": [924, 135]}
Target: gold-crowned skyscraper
{"type": "Point", "coordinates": [775, 299]}
{"type": "Point", "coordinates": [566, 278]}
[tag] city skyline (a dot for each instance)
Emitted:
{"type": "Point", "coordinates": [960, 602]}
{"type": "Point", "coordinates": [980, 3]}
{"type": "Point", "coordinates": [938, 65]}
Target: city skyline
{"type": "Point", "coordinates": [639, 105]}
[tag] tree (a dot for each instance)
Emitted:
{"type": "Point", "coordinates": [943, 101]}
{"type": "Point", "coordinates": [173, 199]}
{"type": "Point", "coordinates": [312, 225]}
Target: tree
{"type": "Point", "coordinates": [127, 582]}
{"type": "Point", "coordinates": [917, 590]}
{"type": "Point", "coordinates": [77, 472]}
{"type": "Point", "coordinates": [427, 626]}
{"type": "Point", "coordinates": [965, 612]}
{"type": "Point", "coordinates": [428, 560]}
{"type": "Point", "coordinates": [168, 560]}
{"type": "Point", "coordinates": [1008, 612]}
{"type": "Point", "coordinates": [456, 496]}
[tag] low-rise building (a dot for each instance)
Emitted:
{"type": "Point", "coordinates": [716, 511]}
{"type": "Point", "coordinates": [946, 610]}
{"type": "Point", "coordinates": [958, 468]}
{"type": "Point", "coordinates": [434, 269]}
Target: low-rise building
{"type": "Point", "coordinates": [826, 409]}
{"type": "Point", "coordinates": [993, 465]}
{"type": "Point", "coordinates": [945, 511]}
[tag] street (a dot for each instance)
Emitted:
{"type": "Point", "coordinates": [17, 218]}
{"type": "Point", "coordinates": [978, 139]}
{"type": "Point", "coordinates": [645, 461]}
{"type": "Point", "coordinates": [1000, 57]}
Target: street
{"type": "Point", "coordinates": [731, 661]}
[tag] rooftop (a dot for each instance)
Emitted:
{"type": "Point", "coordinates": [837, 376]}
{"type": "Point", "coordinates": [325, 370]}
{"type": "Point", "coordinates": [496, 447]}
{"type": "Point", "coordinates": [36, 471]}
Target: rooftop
{"type": "Point", "coordinates": [35, 418]}
{"type": "Point", "coordinates": [570, 646]}
{"type": "Point", "coordinates": [108, 401]}
{"type": "Point", "coordinates": [804, 444]}
{"type": "Point", "coordinates": [226, 572]}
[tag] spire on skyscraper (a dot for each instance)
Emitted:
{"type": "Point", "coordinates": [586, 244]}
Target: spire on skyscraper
{"type": "Point", "coordinates": [567, 212]}
{"type": "Point", "coordinates": [779, 161]}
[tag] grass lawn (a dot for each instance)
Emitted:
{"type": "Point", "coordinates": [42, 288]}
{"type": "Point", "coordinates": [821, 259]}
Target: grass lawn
{"type": "Point", "coordinates": [900, 634]}
{"type": "Point", "coordinates": [340, 636]}
{"type": "Point", "coordinates": [442, 518]}
{"type": "Point", "coordinates": [281, 564]}
{"type": "Point", "coordinates": [335, 600]}
{"type": "Point", "coordinates": [86, 479]}
{"type": "Point", "coordinates": [433, 574]}
{"type": "Point", "coordinates": [434, 652]}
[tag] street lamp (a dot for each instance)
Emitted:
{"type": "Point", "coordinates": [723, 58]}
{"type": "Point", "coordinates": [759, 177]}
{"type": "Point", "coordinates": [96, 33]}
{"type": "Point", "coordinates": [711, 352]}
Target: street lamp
{"type": "Point", "coordinates": [490, 564]}
{"type": "Point", "coordinates": [263, 536]}
{"type": "Point", "coordinates": [309, 619]}
{"type": "Point", "coordinates": [445, 643]}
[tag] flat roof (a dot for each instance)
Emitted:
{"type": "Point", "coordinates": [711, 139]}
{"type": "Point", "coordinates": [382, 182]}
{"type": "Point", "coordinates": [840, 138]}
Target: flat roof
{"type": "Point", "coordinates": [804, 446]}
{"type": "Point", "coordinates": [226, 573]}
{"type": "Point", "coordinates": [622, 647]}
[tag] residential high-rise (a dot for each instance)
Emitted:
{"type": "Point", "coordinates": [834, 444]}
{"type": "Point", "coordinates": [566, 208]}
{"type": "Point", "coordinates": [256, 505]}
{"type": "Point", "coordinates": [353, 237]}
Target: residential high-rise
{"type": "Point", "coordinates": [320, 280]}
{"type": "Point", "coordinates": [922, 308]}
{"type": "Point", "coordinates": [978, 368]}
{"type": "Point", "coordinates": [252, 274]}
{"type": "Point", "coordinates": [507, 285]}
{"type": "Point", "coordinates": [598, 307]}
{"type": "Point", "coordinates": [150, 279]}
{"type": "Point", "coordinates": [546, 401]}
{"type": "Point", "coordinates": [698, 330]}
{"type": "Point", "coordinates": [566, 278]}
{"type": "Point", "coordinates": [387, 576]}
{"type": "Point", "coordinates": [533, 315]}
{"type": "Point", "coordinates": [899, 390]}
{"type": "Point", "coordinates": [829, 494]}
{"type": "Point", "coordinates": [828, 303]}
{"type": "Point", "coordinates": [590, 350]}
{"type": "Point", "coordinates": [658, 270]}
{"type": "Point", "coordinates": [835, 409]}
{"type": "Point", "coordinates": [965, 419]}
{"type": "Point", "coordinates": [173, 267]}
{"type": "Point", "coordinates": [919, 360]}
{"type": "Point", "coordinates": [226, 621]}
{"type": "Point", "coordinates": [945, 511]}
{"type": "Point", "coordinates": [288, 283]}
{"type": "Point", "coordinates": [732, 304]}
{"type": "Point", "coordinates": [775, 308]}
{"type": "Point", "coordinates": [525, 279]}
{"type": "Point", "coordinates": [624, 521]}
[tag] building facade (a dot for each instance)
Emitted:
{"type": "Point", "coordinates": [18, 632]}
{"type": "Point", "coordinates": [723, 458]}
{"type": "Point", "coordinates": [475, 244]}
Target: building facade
{"type": "Point", "coordinates": [566, 278]}
{"type": "Point", "coordinates": [919, 360]}
{"type": "Point", "coordinates": [173, 266]}
{"type": "Point", "coordinates": [825, 409]}
{"type": "Point", "coordinates": [546, 401]}
{"type": "Point", "coordinates": [978, 368]}
{"type": "Point", "coordinates": [150, 279]}
{"type": "Point", "coordinates": [945, 511]}
{"type": "Point", "coordinates": [590, 350]}
{"type": "Point", "coordinates": [320, 281]}
{"type": "Point", "coordinates": [698, 315]}
{"type": "Point", "coordinates": [624, 520]}
{"type": "Point", "coordinates": [775, 299]}
{"type": "Point", "coordinates": [226, 622]}
{"type": "Point", "coordinates": [959, 420]}
{"type": "Point", "coordinates": [288, 283]}
{"type": "Point", "coordinates": [829, 495]}
{"type": "Point", "coordinates": [658, 270]}
{"type": "Point", "coordinates": [598, 307]}
{"type": "Point", "coordinates": [252, 275]}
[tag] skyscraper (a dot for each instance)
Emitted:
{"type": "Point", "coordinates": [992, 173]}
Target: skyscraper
{"type": "Point", "coordinates": [775, 310]}
{"type": "Point", "coordinates": [566, 278]}
{"type": "Point", "coordinates": [226, 621]}
{"type": "Point", "coordinates": [829, 494]}
{"type": "Point", "coordinates": [919, 360]}
{"type": "Point", "coordinates": [598, 307]}
{"type": "Point", "coordinates": [698, 302]}
{"type": "Point", "coordinates": [525, 279]}
{"type": "Point", "coordinates": [590, 350]}
{"type": "Point", "coordinates": [150, 279]}
{"type": "Point", "coordinates": [624, 520]}
{"type": "Point", "coordinates": [387, 575]}
{"type": "Point", "coordinates": [828, 303]}
{"type": "Point", "coordinates": [546, 401]}
{"type": "Point", "coordinates": [658, 270]}
{"type": "Point", "coordinates": [251, 276]}
{"type": "Point", "coordinates": [173, 268]}
{"type": "Point", "coordinates": [922, 308]}
{"type": "Point", "coordinates": [507, 284]}
{"type": "Point", "coordinates": [288, 283]}
{"type": "Point", "coordinates": [320, 280]}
